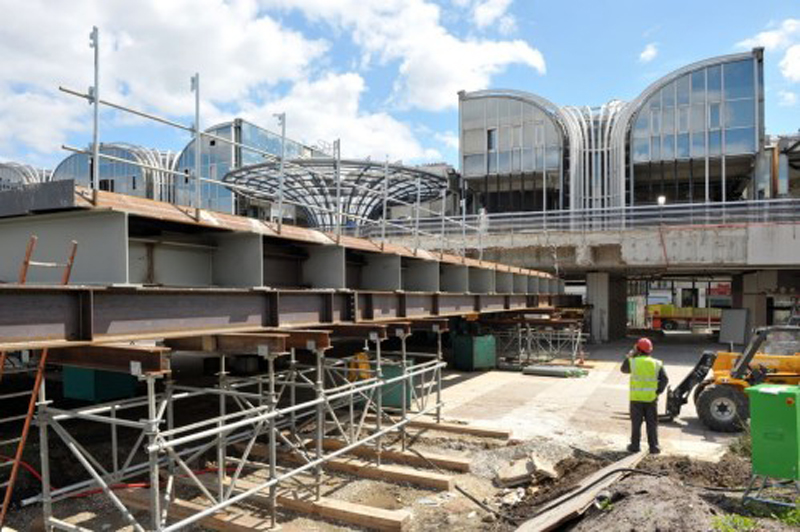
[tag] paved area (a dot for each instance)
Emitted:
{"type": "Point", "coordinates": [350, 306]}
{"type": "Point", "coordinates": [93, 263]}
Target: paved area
{"type": "Point", "coordinates": [589, 412]}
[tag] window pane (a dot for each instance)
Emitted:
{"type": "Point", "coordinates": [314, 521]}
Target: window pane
{"type": "Point", "coordinates": [683, 90]}
{"type": "Point", "coordinates": [715, 142]}
{"type": "Point", "coordinates": [740, 113]}
{"type": "Point", "coordinates": [683, 146]}
{"type": "Point", "coordinates": [655, 148]}
{"type": "Point", "coordinates": [683, 119]}
{"type": "Point", "coordinates": [714, 83]}
{"type": "Point", "coordinates": [516, 140]}
{"type": "Point", "coordinates": [655, 101]}
{"type": "Point", "coordinates": [668, 120]}
{"type": "Point", "coordinates": [641, 150]}
{"type": "Point", "coordinates": [474, 165]}
{"type": "Point", "coordinates": [505, 162]}
{"type": "Point", "coordinates": [698, 118]}
{"type": "Point", "coordinates": [527, 134]}
{"type": "Point", "coordinates": [491, 111]}
{"type": "Point", "coordinates": [668, 147]}
{"type": "Point", "coordinates": [655, 122]}
{"type": "Point", "coordinates": [515, 111]}
{"type": "Point", "coordinates": [641, 128]}
{"type": "Point", "coordinates": [698, 144]}
{"type": "Point", "coordinates": [472, 113]}
{"type": "Point", "coordinates": [668, 95]}
{"type": "Point", "coordinates": [473, 141]}
{"type": "Point", "coordinates": [738, 79]}
{"type": "Point", "coordinates": [699, 86]}
{"type": "Point", "coordinates": [504, 111]}
{"type": "Point", "coordinates": [491, 139]}
{"type": "Point", "coordinates": [527, 159]}
{"type": "Point", "coordinates": [553, 156]}
{"type": "Point", "coordinates": [493, 163]}
{"type": "Point", "coordinates": [713, 116]}
{"type": "Point", "coordinates": [740, 141]}
{"type": "Point", "coordinates": [516, 160]}
{"type": "Point", "coordinates": [505, 138]}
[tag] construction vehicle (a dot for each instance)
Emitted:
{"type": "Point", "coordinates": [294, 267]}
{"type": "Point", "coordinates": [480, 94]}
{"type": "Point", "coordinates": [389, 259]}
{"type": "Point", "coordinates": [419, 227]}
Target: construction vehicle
{"type": "Point", "coordinates": [672, 318]}
{"type": "Point", "coordinates": [772, 356]}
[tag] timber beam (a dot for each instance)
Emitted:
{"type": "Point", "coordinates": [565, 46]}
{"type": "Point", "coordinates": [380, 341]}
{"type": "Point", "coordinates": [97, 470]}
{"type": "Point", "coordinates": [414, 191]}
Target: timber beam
{"type": "Point", "coordinates": [117, 358]}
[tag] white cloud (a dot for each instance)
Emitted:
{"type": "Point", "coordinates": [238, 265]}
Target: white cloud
{"type": "Point", "coordinates": [149, 49]}
{"type": "Point", "coordinates": [783, 38]}
{"type": "Point", "coordinates": [488, 12]}
{"type": "Point", "coordinates": [649, 53]}
{"type": "Point", "coordinates": [434, 64]}
{"type": "Point", "coordinates": [329, 107]}
{"type": "Point", "coordinates": [787, 98]}
{"type": "Point", "coordinates": [448, 138]}
{"type": "Point", "coordinates": [775, 39]}
{"type": "Point", "coordinates": [790, 64]}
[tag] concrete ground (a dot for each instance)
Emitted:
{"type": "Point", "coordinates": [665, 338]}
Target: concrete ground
{"type": "Point", "coordinates": [590, 412]}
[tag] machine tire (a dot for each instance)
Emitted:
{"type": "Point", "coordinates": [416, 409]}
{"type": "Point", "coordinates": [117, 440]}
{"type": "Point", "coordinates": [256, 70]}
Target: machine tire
{"type": "Point", "coordinates": [698, 391]}
{"type": "Point", "coordinates": [723, 408]}
{"type": "Point", "coordinates": [669, 325]}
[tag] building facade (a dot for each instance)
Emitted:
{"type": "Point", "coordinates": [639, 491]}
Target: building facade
{"type": "Point", "coordinates": [694, 136]}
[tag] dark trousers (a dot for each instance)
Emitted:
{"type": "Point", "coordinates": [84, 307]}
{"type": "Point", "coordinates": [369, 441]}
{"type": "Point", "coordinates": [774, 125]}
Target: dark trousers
{"type": "Point", "coordinates": [647, 412]}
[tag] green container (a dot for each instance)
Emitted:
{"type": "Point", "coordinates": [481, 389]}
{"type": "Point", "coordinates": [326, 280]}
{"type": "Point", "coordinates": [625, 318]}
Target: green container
{"type": "Point", "coordinates": [392, 394]}
{"type": "Point", "coordinates": [96, 385]}
{"type": "Point", "coordinates": [471, 353]}
{"type": "Point", "coordinates": [775, 429]}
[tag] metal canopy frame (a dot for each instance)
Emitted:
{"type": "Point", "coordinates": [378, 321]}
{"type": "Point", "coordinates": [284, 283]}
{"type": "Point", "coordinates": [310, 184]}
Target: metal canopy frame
{"type": "Point", "coordinates": [313, 182]}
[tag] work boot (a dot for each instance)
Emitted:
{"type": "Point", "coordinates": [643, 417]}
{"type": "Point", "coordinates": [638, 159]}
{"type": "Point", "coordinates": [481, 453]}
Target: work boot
{"type": "Point", "coordinates": [633, 448]}
{"type": "Point", "coordinates": [655, 450]}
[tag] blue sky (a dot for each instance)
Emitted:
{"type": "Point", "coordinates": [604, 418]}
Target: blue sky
{"type": "Point", "coordinates": [380, 75]}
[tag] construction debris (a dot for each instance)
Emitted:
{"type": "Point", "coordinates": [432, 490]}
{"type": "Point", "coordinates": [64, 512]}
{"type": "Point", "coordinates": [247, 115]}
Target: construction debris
{"type": "Point", "coordinates": [555, 371]}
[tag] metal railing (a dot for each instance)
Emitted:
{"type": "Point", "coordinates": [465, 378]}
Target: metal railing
{"type": "Point", "coordinates": [617, 218]}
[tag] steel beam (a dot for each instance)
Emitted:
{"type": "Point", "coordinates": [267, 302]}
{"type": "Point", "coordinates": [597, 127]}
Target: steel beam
{"type": "Point", "coordinates": [151, 359]}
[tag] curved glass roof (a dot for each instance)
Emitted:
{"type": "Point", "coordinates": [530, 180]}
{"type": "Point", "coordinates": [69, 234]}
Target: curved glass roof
{"type": "Point", "coordinates": [15, 174]}
{"type": "Point", "coordinates": [310, 183]}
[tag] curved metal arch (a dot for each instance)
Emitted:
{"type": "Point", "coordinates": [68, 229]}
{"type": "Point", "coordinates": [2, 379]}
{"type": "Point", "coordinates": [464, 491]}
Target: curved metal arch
{"type": "Point", "coordinates": [12, 173]}
{"type": "Point", "coordinates": [630, 113]}
{"type": "Point", "coordinates": [311, 182]}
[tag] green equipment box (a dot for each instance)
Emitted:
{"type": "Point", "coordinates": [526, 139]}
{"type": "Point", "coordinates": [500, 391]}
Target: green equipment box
{"type": "Point", "coordinates": [96, 385]}
{"type": "Point", "coordinates": [392, 394]}
{"type": "Point", "coordinates": [775, 430]}
{"type": "Point", "coordinates": [471, 353]}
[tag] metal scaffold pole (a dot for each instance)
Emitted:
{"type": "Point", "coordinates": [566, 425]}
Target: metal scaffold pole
{"type": "Point", "coordinates": [338, 175]}
{"type": "Point", "coordinates": [197, 142]}
{"type": "Point", "coordinates": [281, 172]}
{"type": "Point", "coordinates": [94, 92]}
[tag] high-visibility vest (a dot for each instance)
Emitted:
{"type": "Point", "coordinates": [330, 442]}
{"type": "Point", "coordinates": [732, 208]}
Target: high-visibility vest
{"type": "Point", "coordinates": [644, 379]}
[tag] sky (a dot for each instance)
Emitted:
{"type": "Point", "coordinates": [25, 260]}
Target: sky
{"type": "Point", "coordinates": [381, 75]}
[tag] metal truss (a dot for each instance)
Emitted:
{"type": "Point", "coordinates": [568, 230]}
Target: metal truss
{"type": "Point", "coordinates": [524, 344]}
{"type": "Point", "coordinates": [286, 413]}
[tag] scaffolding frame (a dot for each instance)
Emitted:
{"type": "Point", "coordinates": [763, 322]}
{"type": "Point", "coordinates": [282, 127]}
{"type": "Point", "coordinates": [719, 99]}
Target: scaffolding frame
{"type": "Point", "coordinates": [257, 410]}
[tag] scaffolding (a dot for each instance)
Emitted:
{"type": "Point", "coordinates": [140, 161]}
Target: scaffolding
{"type": "Point", "coordinates": [279, 423]}
{"type": "Point", "coordinates": [524, 344]}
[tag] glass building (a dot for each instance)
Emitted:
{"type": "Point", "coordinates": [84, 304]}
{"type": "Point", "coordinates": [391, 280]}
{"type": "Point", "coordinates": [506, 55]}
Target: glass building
{"type": "Point", "coordinates": [695, 135]}
{"type": "Point", "coordinates": [13, 175]}
{"type": "Point", "coordinates": [149, 181]}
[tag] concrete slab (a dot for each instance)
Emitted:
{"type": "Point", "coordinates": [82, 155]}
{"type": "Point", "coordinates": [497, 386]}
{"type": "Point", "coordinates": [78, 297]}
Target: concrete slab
{"type": "Point", "coordinates": [590, 412]}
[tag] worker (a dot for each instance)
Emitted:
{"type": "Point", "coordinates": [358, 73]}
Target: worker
{"type": "Point", "coordinates": [648, 381]}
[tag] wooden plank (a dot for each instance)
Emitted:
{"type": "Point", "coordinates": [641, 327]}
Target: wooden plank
{"type": "Point", "coordinates": [347, 512]}
{"type": "Point", "coordinates": [299, 338]}
{"type": "Point", "coordinates": [153, 359]}
{"type": "Point", "coordinates": [238, 343]}
{"type": "Point", "coordinates": [234, 520]}
{"type": "Point", "coordinates": [570, 505]}
{"type": "Point", "coordinates": [457, 428]}
{"type": "Point", "coordinates": [440, 460]}
{"type": "Point", "coordinates": [358, 330]}
{"type": "Point", "coordinates": [365, 469]}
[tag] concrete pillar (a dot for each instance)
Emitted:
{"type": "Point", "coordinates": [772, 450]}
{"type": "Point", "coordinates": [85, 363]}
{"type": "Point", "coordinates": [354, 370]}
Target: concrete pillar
{"type": "Point", "coordinates": [608, 296]}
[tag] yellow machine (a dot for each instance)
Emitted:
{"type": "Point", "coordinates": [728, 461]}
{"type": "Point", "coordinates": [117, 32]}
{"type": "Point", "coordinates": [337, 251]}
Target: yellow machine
{"type": "Point", "coordinates": [773, 356]}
